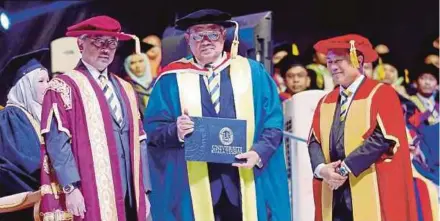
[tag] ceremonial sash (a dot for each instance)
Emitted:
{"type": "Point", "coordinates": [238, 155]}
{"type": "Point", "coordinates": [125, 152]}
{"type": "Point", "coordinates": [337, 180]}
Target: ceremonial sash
{"type": "Point", "coordinates": [99, 147]}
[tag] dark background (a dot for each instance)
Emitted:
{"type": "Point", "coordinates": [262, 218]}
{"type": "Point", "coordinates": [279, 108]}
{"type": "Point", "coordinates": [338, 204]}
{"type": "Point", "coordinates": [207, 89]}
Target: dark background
{"type": "Point", "coordinates": [407, 27]}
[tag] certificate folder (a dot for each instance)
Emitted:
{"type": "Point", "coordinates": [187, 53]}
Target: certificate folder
{"type": "Point", "coordinates": [216, 140]}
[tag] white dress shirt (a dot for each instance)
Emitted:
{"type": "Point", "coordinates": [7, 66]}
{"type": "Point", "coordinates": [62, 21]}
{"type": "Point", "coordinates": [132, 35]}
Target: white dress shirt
{"type": "Point", "coordinates": [215, 64]}
{"type": "Point", "coordinates": [96, 73]}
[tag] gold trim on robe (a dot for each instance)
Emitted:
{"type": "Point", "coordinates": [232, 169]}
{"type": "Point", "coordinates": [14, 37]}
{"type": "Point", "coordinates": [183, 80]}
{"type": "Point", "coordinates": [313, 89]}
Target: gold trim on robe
{"type": "Point", "coordinates": [365, 200]}
{"type": "Point", "coordinates": [198, 177]}
{"type": "Point", "coordinates": [99, 146]}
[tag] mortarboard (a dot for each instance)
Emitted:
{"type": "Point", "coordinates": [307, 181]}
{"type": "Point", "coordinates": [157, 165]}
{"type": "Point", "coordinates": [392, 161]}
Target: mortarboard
{"type": "Point", "coordinates": [204, 16]}
{"type": "Point", "coordinates": [352, 42]}
{"type": "Point", "coordinates": [17, 67]}
{"type": "Point", "coordinates": [387, 57]}
{"type": "Point", "coordinates": [283, 46]}
{"type": "Point", "coordinates": [290, 48]}
{"type": "Point", "coordinates": [129, 47]}
{"type": "Point", "coordinates": [287, 48]}
{"type": "Point", "coordinates": [145, 47]}
{"type": "Point", "coordinates": [423, 68]}
{"type": "Point", "coordinates": [290, 61]}
{"type": "Point", "coordinates": [211, 16]}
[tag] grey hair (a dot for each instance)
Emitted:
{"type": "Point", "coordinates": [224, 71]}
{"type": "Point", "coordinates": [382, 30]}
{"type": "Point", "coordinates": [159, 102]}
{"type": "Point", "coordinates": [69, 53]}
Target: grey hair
{"type": "Point", "coordinates": [83, 36]}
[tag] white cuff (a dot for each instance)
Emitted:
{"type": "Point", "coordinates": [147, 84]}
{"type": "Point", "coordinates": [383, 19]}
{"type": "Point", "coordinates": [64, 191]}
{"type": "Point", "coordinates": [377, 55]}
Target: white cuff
{"type": "Point", "coordinates": [260, 163]}
{"type": "Point", "coordinates": [318, 169]}
{"type": "Point", "coordinates": [346, 167]}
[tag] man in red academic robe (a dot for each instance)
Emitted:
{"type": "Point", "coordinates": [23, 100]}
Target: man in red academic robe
{"type": "Point", "coordinates": [358, 145]}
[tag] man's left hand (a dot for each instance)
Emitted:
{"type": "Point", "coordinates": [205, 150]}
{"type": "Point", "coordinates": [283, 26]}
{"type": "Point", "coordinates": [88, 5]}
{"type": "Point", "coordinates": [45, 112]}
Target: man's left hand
{"type": "Point", "coordinates": [251, 157]}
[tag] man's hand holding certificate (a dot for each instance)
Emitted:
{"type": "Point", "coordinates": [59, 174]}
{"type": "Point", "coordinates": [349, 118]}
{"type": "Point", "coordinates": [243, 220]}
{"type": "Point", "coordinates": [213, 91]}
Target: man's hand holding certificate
{"type": "Point", "coordinates": [184, 125]}
{"type": "Point", "coordinates": [215, 140]}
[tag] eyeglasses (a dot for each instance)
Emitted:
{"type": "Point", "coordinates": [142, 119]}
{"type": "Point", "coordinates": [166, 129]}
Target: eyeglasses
{"type": "Point", "coordinates": [101, 43]}
{"type": "Point", "coordinates": [212, 35]}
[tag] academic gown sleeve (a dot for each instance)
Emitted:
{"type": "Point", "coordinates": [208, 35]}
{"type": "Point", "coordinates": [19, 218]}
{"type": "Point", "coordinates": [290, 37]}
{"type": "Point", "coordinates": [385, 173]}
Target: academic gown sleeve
{"type": "Point", "coordinates": [272, 134]}
{"type": "Point", "coordinates": [314, 142]}
{"type": "Point", "coordinates": [145, 167]}
{"type": "Point", "coordinates": [60, 152]}
{"type": "Point", "coordinates": [56, 126]}
{"type": "Point", "coordinates": [160, 118]}
{"type": "Point", "coordinates": [369, 152]}
{"type": "Point", "coordinates": [315, 152]}
{"type": "Point", "coordinates": [19, 143]}
{"type": "Point", "coordinates": [19, 153]}
{"type": "Point", "coordinates": [270, 139]}
{"type": "Point", "coordinates": [386, 135]}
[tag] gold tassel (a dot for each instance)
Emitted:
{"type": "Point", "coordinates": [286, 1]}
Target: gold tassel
{"type": "Point", "coordinates": [353, 56]}
{"type": "Point", "coordinates": [235, 42]}
{"type": "Point", "coordinates": [406, 76]}
{"type": "Point", "coordinates": [234, 49]}
{"type": "Point", "coordinates": [295, 50]}
{"type": "Point", "coordinates": [381, 70]}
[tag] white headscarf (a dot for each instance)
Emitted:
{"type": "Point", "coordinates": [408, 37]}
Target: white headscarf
{"type": "Point", "coordinates": [146, 79]}
{"type": "Point", "coordinates": [24, 94]}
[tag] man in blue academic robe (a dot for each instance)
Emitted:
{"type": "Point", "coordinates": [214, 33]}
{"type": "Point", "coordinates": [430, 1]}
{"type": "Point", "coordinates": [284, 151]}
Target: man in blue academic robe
{"type": "Point", "coordinates": [214, 83]}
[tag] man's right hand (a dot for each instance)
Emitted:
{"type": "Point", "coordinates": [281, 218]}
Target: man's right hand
{"type": "Point", "coordinates": [75, 203]}
{"type": "Point", "coordinates": [331, 177]}
{"type": "Point", "coordinates": [184, 125]}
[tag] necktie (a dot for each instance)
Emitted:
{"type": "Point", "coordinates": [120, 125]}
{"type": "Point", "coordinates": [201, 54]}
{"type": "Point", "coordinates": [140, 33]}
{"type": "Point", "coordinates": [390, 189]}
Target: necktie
{"type": "Point", "coordinates": [214, 88]}
{"type": "Point", "coordinates": [111, 98]}
{"type": "Point", "coordinates": [344, 104]}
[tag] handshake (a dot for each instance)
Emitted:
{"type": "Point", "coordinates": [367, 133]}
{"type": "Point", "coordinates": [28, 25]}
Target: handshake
{"type": "Point", "coordinates": [334, 174]}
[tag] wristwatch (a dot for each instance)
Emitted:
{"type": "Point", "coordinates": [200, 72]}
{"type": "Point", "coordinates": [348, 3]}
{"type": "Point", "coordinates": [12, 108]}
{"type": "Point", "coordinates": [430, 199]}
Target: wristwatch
{"type": "Point", "coordinates": [70, 187]}
{"type": "Point", "coordinates": [342, 171]}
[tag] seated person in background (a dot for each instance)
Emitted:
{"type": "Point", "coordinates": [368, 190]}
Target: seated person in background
{"type": "Point", "coordinates": [426, 98]}
{"type": "Point", "coordinates": [318, 63]}
{"type": "Point", "coordinates": [154, 53]}
{"type": "Point", "coordinates": [280, 51]}
{"type": "Point", "coordinates": [137, 67]}
{"type": "Point", "coordinates": [296, 76]}
{"type": "Point", "coordinates": [388, 71]}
